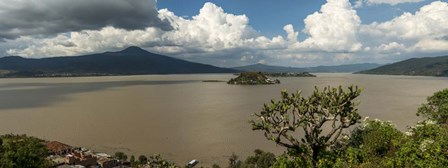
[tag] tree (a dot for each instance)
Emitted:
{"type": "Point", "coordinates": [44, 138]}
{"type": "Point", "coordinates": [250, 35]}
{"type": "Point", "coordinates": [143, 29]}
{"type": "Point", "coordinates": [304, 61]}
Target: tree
{"type": "Point", "coordinates": [1, 146]}
{"type": "Point", "coordinates": [436, 108]}
{"type": "Point", "coordinates": [23, 151]}
{"type": "Point", "coordinates": [143, 159]}
{"type": "Point", "coordinates": [260, 159]}
{"type": "Point", "coordinates": [1, 150]}
{"type": "Point", "coordinates": [121, 156]}
{"type": "Point", "coordinates": [372, 144]}
{"type": "Point", "coordinates": [133, 161]}
{"type": "Point", "coordinates": [156, 161]}
{"type": "Point", "coordinates": [332, 109]}
{"type": "Point", "coordinates": [233, 161]}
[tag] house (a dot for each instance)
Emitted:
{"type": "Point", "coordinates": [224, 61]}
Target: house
{"type": "Point", "coordinates": [107, 163]}
{"type": "Point", "coordinates": [58, 148]}
{"type": "Point", "coordinates": [56, 160]}
{"type": "Point", "coordinates": [80, 158]}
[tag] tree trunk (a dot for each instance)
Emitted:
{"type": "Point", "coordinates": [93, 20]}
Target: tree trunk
{"type": "Point", "coordinates": [316, 149]}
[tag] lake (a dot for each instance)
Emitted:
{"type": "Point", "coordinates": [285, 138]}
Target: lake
{"type": "Point", "coordinates": [179, 116]}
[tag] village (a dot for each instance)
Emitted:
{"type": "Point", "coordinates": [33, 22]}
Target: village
{"type": "Point", "coordinates": [66, 156]}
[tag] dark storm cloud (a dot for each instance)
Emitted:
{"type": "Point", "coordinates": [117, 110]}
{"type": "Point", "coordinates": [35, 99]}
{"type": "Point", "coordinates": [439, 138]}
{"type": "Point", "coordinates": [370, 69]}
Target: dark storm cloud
{"type": "Point", "coordinates": [48, 17]}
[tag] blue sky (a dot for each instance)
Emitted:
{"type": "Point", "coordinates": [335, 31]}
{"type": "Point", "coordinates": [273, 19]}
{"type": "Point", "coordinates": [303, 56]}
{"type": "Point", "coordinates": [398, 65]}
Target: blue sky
{"type": "Point", "coordinates": [269, 16]}
{"type": "Point", "coordinates": [228, 33]}
{"type": "Point", "coordinates": [266, 16]}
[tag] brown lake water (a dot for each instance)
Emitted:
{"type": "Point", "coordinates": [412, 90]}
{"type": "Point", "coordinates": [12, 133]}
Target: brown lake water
{"type": "Point", "coordinates": [179, 116]}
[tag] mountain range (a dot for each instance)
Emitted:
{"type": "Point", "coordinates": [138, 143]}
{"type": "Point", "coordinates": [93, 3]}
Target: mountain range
{"type": "Point", "coordinates": [280, 69]}
{"type": "Point", "coordinates": [428, 66]}
{"type": "Point", "coordinates": [136, 61]}
{"type": "Point", "coordinates": [131, 61]}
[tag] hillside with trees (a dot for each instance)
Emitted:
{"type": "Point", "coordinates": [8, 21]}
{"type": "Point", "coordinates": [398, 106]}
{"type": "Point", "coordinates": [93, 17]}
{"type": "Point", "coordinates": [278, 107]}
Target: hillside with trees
{"type": "Point", "coordinates": [130, 61]}
{"type": "Point", "coordinates": [332, 69]}
{"type": "Point", "coordinates": [428, 66]}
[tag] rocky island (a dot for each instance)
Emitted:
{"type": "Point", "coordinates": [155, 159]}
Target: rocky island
{"type": "Point", "coordinates": [252, 78]}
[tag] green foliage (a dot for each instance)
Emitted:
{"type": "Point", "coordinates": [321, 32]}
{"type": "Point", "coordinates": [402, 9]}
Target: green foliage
{"type": "Point", "coordinates": [284, 161]}
{"type": "Point", "coordinates": [1, 148]}
{"type": "Point", "coordinates": [234, 162]}
{"type": "Point", "coordinates": [156, 161]}
{"type": "Point", "coordinates": [252, 78]}
{"type": "Point", "coordinates": [436, 108]}
{"type": "Point", "coordinates": [120, 156]}
{"type": "Point", "coordinates": [142, 159]}
{"type": "Point", "coordinates": [20, 151]}
{"type": "Point", "coordinates": [260, 159]}
{"type": "Point", "coordinates": [426, 146]}
{"type": "Point", "coordinates": [134, 163]}
{"type": "Point", "coordinates": [429, 66]}
{"type": "Point", "coordinates": [372, 143]}
{"type": "Point", "coordinates": [333, 108]}
{"type": "Point", "coordinates": [379, 144]}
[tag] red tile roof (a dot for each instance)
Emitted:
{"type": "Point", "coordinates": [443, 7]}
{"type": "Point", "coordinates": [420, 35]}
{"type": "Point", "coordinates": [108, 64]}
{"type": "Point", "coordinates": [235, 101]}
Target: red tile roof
{"type": "Point", "coordinates": [57, 147]}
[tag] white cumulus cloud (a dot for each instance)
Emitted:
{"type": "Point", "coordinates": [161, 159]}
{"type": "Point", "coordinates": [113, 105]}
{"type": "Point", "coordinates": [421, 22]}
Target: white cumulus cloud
{"type": "Point", "coordinates": [334, 28]}
{"type": "Point", "coordinates": [418, 31]}
{"type": "Point", "coordinates": [211, 32]}
{"type": "Point", "coordinates": [333, 35]}
{"type": "Point", "coordinates": [359, 3]}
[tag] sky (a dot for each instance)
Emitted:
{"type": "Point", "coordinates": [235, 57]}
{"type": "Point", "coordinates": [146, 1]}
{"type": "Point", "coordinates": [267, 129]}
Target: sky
{"type": "Point", "coordinates": [228, 33]}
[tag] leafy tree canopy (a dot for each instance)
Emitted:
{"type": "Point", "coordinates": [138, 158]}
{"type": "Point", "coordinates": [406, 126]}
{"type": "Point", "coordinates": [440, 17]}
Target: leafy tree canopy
{"type": "Point", "coordinates": [436, 108]}
{"type": "Point", "coordinates": [21, 151]}
{"type": "Point", "coordinates": [321, 117]}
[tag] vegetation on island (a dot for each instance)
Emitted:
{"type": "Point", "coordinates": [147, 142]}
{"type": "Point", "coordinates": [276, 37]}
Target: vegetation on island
{"type": "Point", "coordinates": [314, 130]}
{"type": "Point", "coordinates": [429, 66]}
{"type": "Point", "coordinates": [252, 78]}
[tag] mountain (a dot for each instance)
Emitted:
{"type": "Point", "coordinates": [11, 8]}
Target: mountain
{"type": "Point", "coordinates": [280, 69]}
{"type": "Point", "coordinates": [428, 66]}
{"type": "Point", "coordinates": [131, 61]}
{"type": "Point", "coordinates": [267, 68]}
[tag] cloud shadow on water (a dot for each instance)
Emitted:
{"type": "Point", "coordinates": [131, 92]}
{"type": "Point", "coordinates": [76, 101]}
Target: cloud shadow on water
{"type": "Point", "coordinates": [33, 95]}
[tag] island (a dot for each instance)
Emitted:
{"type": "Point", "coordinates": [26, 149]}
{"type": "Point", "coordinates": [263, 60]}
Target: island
{"type": "Point", "coordinates": [252, 78]}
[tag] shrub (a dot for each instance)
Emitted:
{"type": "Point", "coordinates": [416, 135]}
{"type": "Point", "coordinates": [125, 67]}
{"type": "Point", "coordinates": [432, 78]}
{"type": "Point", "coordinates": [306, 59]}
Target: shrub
{"type": "Point", "coordinates": [436, 108]}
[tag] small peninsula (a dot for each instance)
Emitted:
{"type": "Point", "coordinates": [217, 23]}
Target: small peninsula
{"type": "Point", "coordinates": [252, 78]}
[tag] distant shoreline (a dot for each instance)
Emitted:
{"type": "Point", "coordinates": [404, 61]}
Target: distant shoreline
{"type": "Point", "coordinates": [104, 75]}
